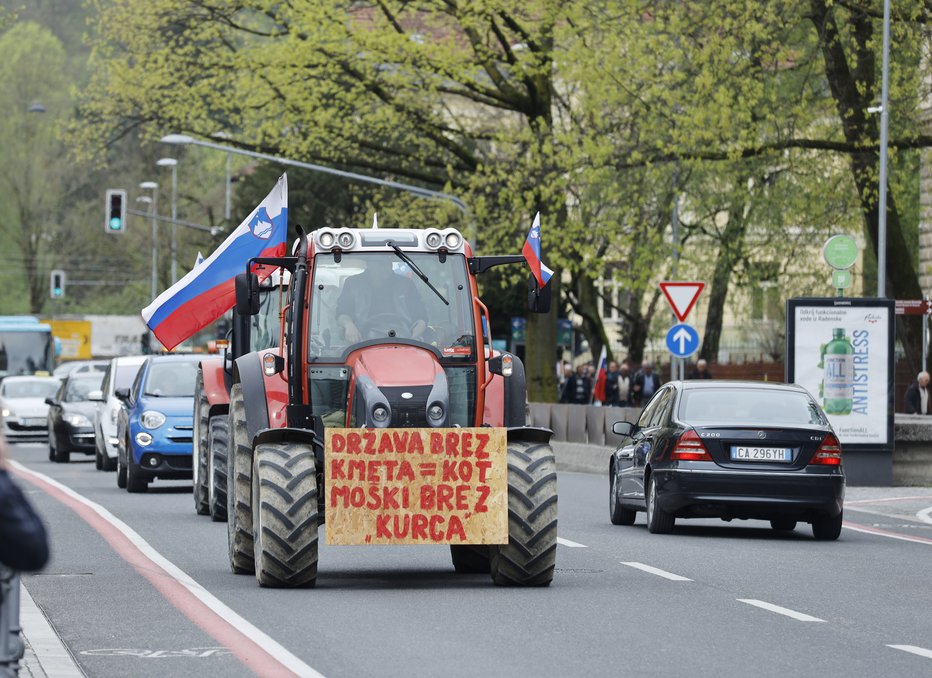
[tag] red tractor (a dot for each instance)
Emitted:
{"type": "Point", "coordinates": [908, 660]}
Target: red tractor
{"type": "Point", "coordinates": [384, 335]}
{"type": "Point", "coordinates": [212, 398]}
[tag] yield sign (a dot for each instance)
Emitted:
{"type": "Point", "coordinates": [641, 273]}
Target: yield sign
{"type": "Point", "coordinates": [682, 296]}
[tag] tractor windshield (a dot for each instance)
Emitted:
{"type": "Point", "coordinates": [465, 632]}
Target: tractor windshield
{"type": "Point", "coordinates": [376, 296]}
{"type": "Point", "coordinates": [265, 324]}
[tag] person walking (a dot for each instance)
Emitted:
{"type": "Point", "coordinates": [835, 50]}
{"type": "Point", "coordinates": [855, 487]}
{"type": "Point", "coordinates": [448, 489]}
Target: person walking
{"type": "Point", "coordinates": [917, 395]}
{"type": "Point", "coordinates": [578, 388]}
{"type": "Point", "coordinates": [646, 383]}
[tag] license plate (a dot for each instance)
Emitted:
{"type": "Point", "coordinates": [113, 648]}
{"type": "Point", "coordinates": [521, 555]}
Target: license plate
{"type": "Point", "coordinates": [34, 422]}
{"type": "Point", "coordinates": [778, 454]}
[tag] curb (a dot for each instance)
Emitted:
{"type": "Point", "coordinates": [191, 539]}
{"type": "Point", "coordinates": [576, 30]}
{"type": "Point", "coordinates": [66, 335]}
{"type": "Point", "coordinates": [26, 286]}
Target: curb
{"type": "Point", "coordinates": [46, 656]}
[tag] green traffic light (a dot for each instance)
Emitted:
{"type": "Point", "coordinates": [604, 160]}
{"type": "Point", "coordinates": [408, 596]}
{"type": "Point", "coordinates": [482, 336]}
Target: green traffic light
{"type": "Point", "coordinates": [116, 224]}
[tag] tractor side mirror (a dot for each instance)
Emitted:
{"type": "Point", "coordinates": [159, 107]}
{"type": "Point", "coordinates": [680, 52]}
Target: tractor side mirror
{"type": "Point", "coordinates": [247, 294]}
{"type": "Point", "coordinates": [538, 298]}
{"type": "Point", "coordinates": [502, 364]}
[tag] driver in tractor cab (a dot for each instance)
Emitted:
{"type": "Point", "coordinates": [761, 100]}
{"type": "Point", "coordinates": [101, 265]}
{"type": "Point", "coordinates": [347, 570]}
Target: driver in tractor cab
{"type": "Point", "coordinates": [382, 295]}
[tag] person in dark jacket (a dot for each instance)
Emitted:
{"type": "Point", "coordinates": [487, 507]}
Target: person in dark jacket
{"type": "Point", "coordinates": [646, 383]}
{"type": "Point", "coordinates": [700, 371]}
{"type": "Point", "coordinates": [917, 395]}
{"type": "Point", "coordinates": [24, 544]}
{"type": "Point", "coordinates": [578, 388]}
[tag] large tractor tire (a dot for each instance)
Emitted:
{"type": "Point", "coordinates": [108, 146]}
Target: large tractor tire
{"type": "Point", "coordinates": [201, 446]}
{"type": "Point", "coordinates": [219, 442]}
{"type": "Point", "coordinates": [470, 559]}
{"type": "Point", "coordinates": [285, 515]}
{"type": "Point", "coordinates": [530, 556]}
{"type": "Point", "coordinates": [239, 490]}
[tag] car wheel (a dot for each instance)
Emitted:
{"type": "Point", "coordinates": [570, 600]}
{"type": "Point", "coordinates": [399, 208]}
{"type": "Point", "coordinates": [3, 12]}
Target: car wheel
{"type": "Point", "coordinates": [62, 456]}
{"type": "Point", "coordinates": [108, 464]}
{"type": "Point", "coordinates": [98, 461]}
{"type": "Point", "coordinates": [120, 473]}
{"type": "Point", "coordinates": [658, 520]}
{"type": "Point", "coordinates": [135, 481]}
{"type": "Point", "coordinates": [51, 451]}
{"type": "Point", "coordinates": [618, 514]}
{"type": "Point", "coordinates": [827, 529]}
{"type": "Point", "coordinates": [783, 524]}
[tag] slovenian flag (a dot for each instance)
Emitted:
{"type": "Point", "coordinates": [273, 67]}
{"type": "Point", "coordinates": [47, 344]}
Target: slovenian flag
{"type": "Point", "coordinates": [207, 291]}
{"type": "Point", "coordinates": [598, 393]}
{"type": "Point", "coordinates": [531, 252]}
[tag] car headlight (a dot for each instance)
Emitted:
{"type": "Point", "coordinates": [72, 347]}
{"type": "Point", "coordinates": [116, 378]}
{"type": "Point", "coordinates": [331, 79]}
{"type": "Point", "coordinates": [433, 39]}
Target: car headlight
{"type": "Point", "coordinates": [152, 419]}
{"type": "Point", "coordinates": [435, 411]}
{"type": "Point", "coordinates": [143, 439]}
{"type": "Point", "coordinates": [7, 412]}
{"type": "Point", "coordinates": [77, 420]}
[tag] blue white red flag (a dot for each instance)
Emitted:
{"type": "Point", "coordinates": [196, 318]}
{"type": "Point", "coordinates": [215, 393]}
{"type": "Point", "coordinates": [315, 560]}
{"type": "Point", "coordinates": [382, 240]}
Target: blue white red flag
{"type": "Point", "coordinates": [199, 260]}
{"type": "Point", "coordinates": [598, 393]}
{"type": "Point", "coordinates": [208, 291]}
{"type": "Point", "coordinates": [531, 252]}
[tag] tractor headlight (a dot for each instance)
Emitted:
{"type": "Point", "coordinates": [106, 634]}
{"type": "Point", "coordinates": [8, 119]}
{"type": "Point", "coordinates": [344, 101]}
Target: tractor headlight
{"type": "Point", "coordinates": [77, 420]}
{"type": "Point", "coordinates": [433, 240]}
{"type": "Point", "coordinates": [380, 414]}
{"type": "Point", "coordinates": [346, 240]}
{"type": "Point", "coordinates": [152, 419]}
{"type": "Point", "coordinates": [453, 240]}
{"type": "Point", "coordinates": [326, 239]}
{"type": "Point", "coordinates": [435, 412]}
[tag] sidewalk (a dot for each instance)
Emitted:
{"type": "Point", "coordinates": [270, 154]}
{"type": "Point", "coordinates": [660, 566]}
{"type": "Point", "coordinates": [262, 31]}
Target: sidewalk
{"type": "Point", "coordinates": [45, 656]}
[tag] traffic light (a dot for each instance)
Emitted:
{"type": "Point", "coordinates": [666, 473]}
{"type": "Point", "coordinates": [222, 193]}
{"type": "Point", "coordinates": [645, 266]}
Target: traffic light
{"type": "Point", "coordinates": [57, 284]}
{"type": "Point", "coordinates": [115, 211]}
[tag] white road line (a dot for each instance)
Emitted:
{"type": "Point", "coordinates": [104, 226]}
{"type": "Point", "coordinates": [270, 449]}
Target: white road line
{"type": "Point", "coordinates": [800, 616]}
{"type": "Point", "coordinates": [877, 532]}
{"type": "Point", "coordinates": [884, 499]}
{"type": "Point", "coordinates": [268, 644]}
{"type": "Point", "coordinates": [921, 651]}
{"type": "Point", "coordinates": [656, 570]}
{"type": "Point", "coordinates": [925, 515]}
{"type": "Point", "coordinates": [571, 544]}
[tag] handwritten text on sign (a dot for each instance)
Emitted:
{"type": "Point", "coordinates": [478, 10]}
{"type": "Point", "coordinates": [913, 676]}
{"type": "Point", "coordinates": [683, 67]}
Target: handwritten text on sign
{"type": "Point", "coordinates": [416, 486]}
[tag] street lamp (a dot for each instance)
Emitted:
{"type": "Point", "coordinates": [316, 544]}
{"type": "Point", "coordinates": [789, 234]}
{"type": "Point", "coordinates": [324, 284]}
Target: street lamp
{"type": "Point", "coordinates": [184, 139]}
{"type": "Point", "coordinates": [152, 186]}
{"type": "Point", "coordinates": [173, 163]}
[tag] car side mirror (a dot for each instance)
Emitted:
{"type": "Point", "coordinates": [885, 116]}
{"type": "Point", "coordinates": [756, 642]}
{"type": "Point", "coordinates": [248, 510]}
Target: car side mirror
{"type": "Point", "coordinates": [96, 396]}
{"type": "Point", "coordinates": [623, 428]}
{"type": "Point", "coordinates": [122, 394]}
{"type": "Point", "coordinates": [51, 402]}
{"type": "Point", "coordinates": [538, 298]}
{"type": "Point", "coordinates": [247, 294]}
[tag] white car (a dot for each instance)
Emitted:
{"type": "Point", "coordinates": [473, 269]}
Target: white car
{"type": "Point", "coordinates": [25, 413]}
{"type": "Point", "coordinates": [120, 374]}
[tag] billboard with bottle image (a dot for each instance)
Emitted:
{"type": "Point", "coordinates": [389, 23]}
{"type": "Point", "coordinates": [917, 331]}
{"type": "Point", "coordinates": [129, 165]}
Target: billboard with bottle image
{"type": "Point", "coordinates": [841, 351]}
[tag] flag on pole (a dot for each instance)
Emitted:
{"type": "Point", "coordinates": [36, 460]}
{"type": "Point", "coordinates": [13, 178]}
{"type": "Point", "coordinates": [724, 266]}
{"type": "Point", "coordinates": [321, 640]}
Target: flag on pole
{"type": "Point", "coordinates": [199, 260]}
{"type": "Point", "coordinates": [598, 393]}
{"type": "Point", "coordinates": [531, 252]}
{"type": "Point", "coordinates": [207, 291]}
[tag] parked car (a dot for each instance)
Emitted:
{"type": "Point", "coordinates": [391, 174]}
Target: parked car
{"type": "Point", "coordinates": [25, 412]}
{"type": "Point", "coordinates": [730, 450]}
{"type": "Point", "coordinates": [155, 427]}
{"type": "Point", "coordinates": [71, 416]}
{"type": "Point", "coordinates": [120, 373]}
{"type": "Point", "coordinates": [79, 366]}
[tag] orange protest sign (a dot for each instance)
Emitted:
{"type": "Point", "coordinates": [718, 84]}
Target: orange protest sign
{"type": "Point", "coordinates": [416, 486]}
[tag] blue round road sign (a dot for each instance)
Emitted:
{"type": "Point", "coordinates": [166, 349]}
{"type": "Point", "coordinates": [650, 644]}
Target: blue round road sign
{"type": "Point", "coordinates": [682, 340]}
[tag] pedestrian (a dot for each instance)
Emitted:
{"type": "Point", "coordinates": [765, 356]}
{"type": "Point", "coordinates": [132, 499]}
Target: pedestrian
{"type": "Point", "coordinates": [917, 395]}
{"type": "Point", "coordinates": [578, 388]}
{"type": "Point", "coordinates": [624, 385]}
{"type": "Point", "coordinates": [23, 541]}
{"type": "Point", "coordinates": [646, 383]}
{"type": "Point", "coordinates": [700, 371]}
{"type": "Point", "coordinates": [611, 385]}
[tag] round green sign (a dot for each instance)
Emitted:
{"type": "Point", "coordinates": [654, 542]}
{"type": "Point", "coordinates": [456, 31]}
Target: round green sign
{"type": "Point", "coordinates": [840, 251]}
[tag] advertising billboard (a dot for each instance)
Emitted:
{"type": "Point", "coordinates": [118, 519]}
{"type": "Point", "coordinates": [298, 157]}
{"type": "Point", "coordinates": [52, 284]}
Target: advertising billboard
{"type": "Point", "coordinates": [841, 351]}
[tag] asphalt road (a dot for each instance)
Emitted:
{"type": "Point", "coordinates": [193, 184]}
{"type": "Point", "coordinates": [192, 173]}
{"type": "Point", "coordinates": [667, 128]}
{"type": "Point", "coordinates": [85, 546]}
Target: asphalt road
{"type": "Point", "coordinates": [712, 599]}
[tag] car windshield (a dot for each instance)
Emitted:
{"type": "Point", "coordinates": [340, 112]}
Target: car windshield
{"type": "Point", "coordinates": [171, 379]}
{"type": "Point", "coordinates": [376, 295]}
{"type": "Point", "coordinates": [78, 388]}
{"type": "Point", "coordinates": [33, 388]}
{"type": "Point", "coordinates": [749, 406]}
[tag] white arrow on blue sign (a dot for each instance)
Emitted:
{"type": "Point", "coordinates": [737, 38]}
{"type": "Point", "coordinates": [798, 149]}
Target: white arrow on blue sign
{"type": "Point", "coordinates": [682, 340]}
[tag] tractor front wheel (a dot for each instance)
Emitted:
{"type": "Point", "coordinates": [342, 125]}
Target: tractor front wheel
{"type": "Point", "coordinates": [239, 488]}
{"type": "Point", "coordinates": [201, 447]}
{"type": "Point", "coordinates": [284, 515]}
{"type": "Point", "coordinates": [218, 443]}
{"type": "Point", "coordinates": [530, 556]}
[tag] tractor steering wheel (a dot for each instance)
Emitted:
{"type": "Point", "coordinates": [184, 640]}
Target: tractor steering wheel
{"type": "Point", "coordinates": [382, 324]}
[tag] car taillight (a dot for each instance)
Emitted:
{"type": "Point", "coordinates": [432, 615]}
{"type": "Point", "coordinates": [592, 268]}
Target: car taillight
{"type": "Point", "coordinates": [829, 452]}
{"type": "Point", "coordinates": [689, 447]}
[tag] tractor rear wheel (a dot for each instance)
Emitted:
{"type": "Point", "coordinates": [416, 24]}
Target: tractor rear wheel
{"type": "Point", "coordinates": [470, 559]}
{"type": "Point", "coordinates": [529, 557]}
{"type": "Point", "coordinates": [285, 515]}
{"type": "Point", "coordinates": [201, 446]}
{"type": "Point", "coordinates": [239, 490]}
{"type": "Point", "coordinates": [218, 437]}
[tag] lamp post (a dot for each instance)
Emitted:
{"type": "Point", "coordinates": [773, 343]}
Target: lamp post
{"type": "Point", "coordinates": [152, 186]}
{"type": "Point", "coordinates": [884, 125]}
{"type": "Point", "coordinates": [173, 163]}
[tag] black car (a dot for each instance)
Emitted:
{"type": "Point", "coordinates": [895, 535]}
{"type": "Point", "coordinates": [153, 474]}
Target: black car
{"type": "Point", "coordinates": [731, 450]}
{"type": "Point", "coordinates": [71, 416]}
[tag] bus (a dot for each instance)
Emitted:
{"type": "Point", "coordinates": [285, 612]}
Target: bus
{"type": "Point", "coordinates": [26, 346]}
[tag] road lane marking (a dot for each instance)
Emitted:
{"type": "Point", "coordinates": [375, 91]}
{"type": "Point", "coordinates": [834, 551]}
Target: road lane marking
{"type": "Point", "coordinates": [800, 616]}
{"type": "Point", "coordinates": [885, 499]}
{"type": "Point", "coordinates": [656, 570]}
{"type": "Point", "coordinates": [924, 515]}
{"type": "Point", "coordinates": [921, 651]}
{"type": "Point", "coordinates": [571, 544]}
{"type": "Point", "coordinates": [258, 651]}
{"type": "Point", "coordinates": [883, 533]}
